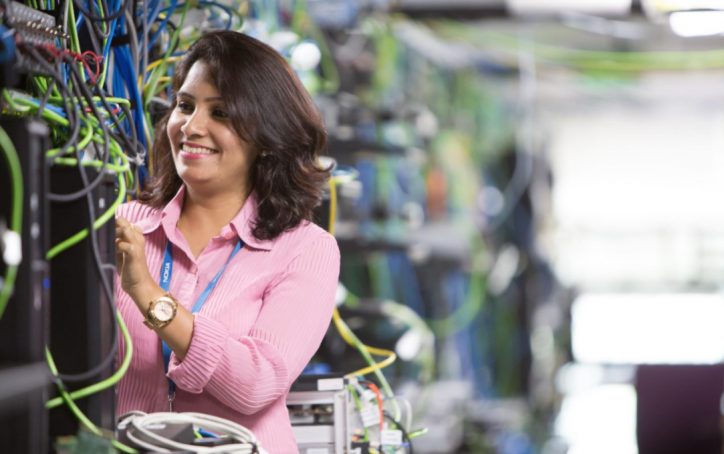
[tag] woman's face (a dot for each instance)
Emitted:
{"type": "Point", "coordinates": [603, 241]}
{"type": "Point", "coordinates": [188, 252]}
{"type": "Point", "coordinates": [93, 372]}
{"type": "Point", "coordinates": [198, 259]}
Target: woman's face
{"type": "Point", "coordinates": [208, 153]}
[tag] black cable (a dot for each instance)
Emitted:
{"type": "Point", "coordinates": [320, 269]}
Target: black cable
{"type": "Point", "coordinates": [107, 361]}
{"type": "Point", "coordinates": [137, 147]}
{"type": "Point", "coordinates": [405, 435]}
{"type": "Point", "coordinates": [96, 34]}
{"type": "Point", "coordinates": [88, 188]}
{"type": "Point", "coordinates": [74, 120]}
{"type": "Point", "coordinates": [70, 107]}
{"type": "Point", "coordinates": [121, 137]}
{"type": "Point", "coordinates": [93, 238]}
{"type": "Point", "coordinates": [44, 99]}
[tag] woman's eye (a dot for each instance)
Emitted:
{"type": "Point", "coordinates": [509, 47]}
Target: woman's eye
{"type": "Point", "coordinates": [184, 106]}
{"type": "Point", "coordinates": [218, 113]}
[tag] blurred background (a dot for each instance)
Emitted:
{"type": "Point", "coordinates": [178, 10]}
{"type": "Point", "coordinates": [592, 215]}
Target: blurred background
{"type": "Point", "coordinates": [525, 195]}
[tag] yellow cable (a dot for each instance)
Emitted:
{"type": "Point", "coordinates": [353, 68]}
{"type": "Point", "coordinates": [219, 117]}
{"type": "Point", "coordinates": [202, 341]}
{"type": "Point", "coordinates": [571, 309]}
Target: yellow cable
{"type": "Point", "coordinates": [366, 350]}
{"type": "Point", "coordinates": [332, 204]}
{"type": "Point", "coordinates": [342, 327]}
{"type": "Point", "coordinates": [347, 333]}
{"type": "Point", "coordinates": [152, 65]}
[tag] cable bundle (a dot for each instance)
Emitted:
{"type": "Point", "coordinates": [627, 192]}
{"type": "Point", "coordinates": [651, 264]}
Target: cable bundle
{"type": "Point", "coordinates": [138, 429]}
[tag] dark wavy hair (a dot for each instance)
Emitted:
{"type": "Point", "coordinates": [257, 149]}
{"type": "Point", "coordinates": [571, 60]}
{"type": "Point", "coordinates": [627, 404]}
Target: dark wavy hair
{"type": "Point", "coordinates": [272, 112]}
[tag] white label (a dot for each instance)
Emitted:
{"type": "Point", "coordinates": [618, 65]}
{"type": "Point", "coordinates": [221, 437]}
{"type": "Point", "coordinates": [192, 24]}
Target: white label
{"type": "Point", "coordinates": [317, 451]}
{"type": "Point", "coordinates": [369, 396]}
{"type": "Point", "coordinates": [330, 384]}
{"type": "Point", "coordinates": [391, 437]}
{"type": "Point", "coordinates": [370, 416]}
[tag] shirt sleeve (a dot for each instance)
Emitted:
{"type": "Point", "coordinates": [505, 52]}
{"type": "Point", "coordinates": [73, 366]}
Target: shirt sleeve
{"type": "Point", "coordinates": [250, 373]}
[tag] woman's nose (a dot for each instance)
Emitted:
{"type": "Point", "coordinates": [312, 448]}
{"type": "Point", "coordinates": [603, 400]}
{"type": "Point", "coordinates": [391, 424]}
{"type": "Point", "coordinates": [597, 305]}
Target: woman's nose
{"type": "Point", "coordinates": [195, 124]}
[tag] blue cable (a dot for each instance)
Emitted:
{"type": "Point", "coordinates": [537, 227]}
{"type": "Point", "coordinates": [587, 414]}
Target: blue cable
{"type": "Point", "coordinates": [162, 26]}
{"type": "Point", "coordinates": [128, 72]}
{"type": "Point", "coordinates": [8, 45]}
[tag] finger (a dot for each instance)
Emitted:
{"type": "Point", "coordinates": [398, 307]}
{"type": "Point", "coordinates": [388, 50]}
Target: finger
{"type": "Point", "coordinates": [124, 247]}
{"type": "Point", "coordinates": [125, 232]}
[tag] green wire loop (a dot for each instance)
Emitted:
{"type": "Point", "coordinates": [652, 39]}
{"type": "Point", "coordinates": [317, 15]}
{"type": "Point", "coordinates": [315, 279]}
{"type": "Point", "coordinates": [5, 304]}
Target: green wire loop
{"type": "Point", "coordinates": [16, 218]}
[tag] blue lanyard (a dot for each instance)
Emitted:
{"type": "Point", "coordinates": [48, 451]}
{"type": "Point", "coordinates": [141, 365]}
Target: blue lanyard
{"type": "Point", "coordinates": [165, 281]}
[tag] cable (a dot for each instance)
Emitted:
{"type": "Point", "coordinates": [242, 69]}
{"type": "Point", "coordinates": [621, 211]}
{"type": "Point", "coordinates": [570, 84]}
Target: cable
{"type": "Point", "coordinates": [138, 429]}
{"type": "Point", "coordinates": [332, 205]}
{"type": "Point", "coordinates": [106, 362]}
{"type": "Point", "coordinates": [16, 216]}
{"type": "Point", "coordinates": [105, 217]}
{"type": "Point", "coordinates": [107, 18]}
{"type": "Point", "coordinates": [107, 383]}
{"type": "Point", "coordinates": [353, 340]}
{"type": "Point", "coordinates": [378, 398]}
{"type": "Point", "coordinates": [366, 350]}
{"type": "Point", "coordinates": [77, 411]}
{"type": "Point", "coordinates": [405, 435]}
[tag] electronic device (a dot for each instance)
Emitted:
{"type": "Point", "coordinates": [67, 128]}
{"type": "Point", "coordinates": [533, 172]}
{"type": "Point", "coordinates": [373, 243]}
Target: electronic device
{"type": "Point", "coordinates": [319, 410]}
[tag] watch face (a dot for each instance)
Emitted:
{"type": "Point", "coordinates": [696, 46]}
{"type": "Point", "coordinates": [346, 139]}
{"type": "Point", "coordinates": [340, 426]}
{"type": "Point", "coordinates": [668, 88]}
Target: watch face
{"type": "Point", "coordinates": [163, 311]}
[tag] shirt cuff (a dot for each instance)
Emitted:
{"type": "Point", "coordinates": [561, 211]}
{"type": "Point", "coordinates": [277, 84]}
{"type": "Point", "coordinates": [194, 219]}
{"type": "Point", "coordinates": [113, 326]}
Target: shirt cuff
{"type": "Point", "coordinates": [202, 358]}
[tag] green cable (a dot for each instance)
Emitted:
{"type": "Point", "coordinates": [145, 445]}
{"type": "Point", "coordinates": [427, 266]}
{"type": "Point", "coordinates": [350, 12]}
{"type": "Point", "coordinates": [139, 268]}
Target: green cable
{"type": "Point", "coordinates": [95, 163]}
{"type": "Point", "coordinates": [115, 150]}
{"type": "Point", "coordinates": [417, 433]}
{"type": "Point", "coordinates": [81, 145]}
{"type": "Point", "coordinates": [11, 101]}
{"type": "Point", "coordinates": [362, 348]}
{"type": "Point", "coordinates": [65, 396]}
{"type": "Point", "coordinates": [357, 405]}
{"type": "Point", "coordinates": [466, 313]}
{"type": "Point", "coordinates": [16, 220]}
{"type": "Point", "coordinates": [33, 107]}
{"type": "Point", "coordinates": [405, 314]}
{"type": "Point", "coordinates": [74, 41]}
{"type": "Point", "coordinates": [75, 239]}
{"type": "Point", "coordinates": [41, 84]}
{"type": "Point", "coordinates": [160, 69]}
{"type": "Point", "coordinates": [105, 384]}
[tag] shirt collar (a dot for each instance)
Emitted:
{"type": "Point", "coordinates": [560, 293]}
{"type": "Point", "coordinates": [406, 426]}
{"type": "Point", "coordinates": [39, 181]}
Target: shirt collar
{"type": "Point", "coordinates": [241, 225]}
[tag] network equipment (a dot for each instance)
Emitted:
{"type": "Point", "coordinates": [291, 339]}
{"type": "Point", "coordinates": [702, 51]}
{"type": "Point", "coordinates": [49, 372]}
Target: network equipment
{"type": "Point", "coordinates": [319, 409]}
{"type": "Point", "coordinates": [340, 415]}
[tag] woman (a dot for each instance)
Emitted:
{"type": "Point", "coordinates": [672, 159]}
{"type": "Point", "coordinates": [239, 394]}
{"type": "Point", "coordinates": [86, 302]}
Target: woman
{"type": "Point", "coordinates": [218, 257]}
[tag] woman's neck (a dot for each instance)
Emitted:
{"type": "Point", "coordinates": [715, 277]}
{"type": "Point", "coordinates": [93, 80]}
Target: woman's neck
{"type": "Point", "coordinates": [203, 217]}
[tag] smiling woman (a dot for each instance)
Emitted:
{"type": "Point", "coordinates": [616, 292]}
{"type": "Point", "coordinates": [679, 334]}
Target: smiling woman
{"type": "Point", "coordinates": [219, 257]}
{"type": "Point", "coordinates": [209, 155]}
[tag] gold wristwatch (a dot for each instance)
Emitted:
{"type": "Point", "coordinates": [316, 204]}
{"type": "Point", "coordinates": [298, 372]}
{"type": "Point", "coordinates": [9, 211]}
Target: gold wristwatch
{"type": "Point", "coordinates": [161, 312]}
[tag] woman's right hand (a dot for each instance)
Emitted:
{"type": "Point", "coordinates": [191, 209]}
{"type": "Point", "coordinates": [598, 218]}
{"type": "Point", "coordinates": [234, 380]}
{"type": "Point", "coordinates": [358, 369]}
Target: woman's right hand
{"type": "Point", "coordinates": [131, 260]}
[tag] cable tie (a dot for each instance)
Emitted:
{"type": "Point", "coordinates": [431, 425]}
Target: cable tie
{"type": "Point", "coordinates": [121, 40]}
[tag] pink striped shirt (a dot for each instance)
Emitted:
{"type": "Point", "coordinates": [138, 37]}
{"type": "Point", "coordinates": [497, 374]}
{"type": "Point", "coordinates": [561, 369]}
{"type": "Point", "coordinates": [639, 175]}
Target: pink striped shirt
{"type": "Point", "coordinates": [257, 330]}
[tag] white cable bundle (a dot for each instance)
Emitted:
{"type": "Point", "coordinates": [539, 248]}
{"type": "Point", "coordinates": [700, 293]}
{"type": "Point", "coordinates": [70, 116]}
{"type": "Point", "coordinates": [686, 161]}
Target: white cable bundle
{"type": "Point", "coordinates": [137, 431]}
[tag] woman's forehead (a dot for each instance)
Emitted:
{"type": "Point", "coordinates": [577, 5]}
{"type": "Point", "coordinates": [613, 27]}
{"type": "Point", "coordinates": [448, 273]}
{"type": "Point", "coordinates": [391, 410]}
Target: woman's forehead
{"type": "Point", "coordinates": [198, 78]}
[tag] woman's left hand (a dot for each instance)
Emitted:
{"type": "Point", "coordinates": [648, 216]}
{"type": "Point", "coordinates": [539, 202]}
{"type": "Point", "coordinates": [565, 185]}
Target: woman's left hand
{"type": "Point", "coordinates": [131, 259]}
